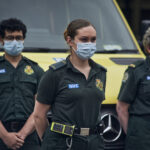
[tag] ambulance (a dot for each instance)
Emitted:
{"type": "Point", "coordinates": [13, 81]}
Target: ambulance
{"type": "Point", "coordinates": [117, 47]}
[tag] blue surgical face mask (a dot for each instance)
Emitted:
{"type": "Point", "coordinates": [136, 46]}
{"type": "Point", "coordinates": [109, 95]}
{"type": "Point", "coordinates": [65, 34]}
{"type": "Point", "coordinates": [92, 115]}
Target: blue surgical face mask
{"type": "Point", "coordinates": [85, 50]}
{"type": "Point", "coordinates": [14, 47]}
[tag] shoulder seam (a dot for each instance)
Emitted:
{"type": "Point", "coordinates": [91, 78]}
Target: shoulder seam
{"type": "Point", "coordinates": [58, 65]}
{"type": "Point", "coordinates": [30, 61]}
{"type": "Point", "coordinates": [136, 64]}
{"type": "Point", "coordinates": [102, 67]}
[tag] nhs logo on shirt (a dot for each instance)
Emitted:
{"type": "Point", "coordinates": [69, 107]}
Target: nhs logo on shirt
{"type": "Point", "coordinates": [148, 77]}
{"type": "Point", "coordinates": [2, 71]}
{"type": "Point", "coordinates": [73, 86]}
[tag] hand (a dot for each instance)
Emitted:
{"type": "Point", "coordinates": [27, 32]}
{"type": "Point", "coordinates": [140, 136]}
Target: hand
{"type": "Point", "coordinates": [21, 135]}
{"type": "Point", "coordinates": [13, 141]}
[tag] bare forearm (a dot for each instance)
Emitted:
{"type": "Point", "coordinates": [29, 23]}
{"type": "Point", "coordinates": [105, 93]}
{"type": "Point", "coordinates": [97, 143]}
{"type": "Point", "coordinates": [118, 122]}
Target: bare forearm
{"type": "Point", "coordinates": [40, 117]}
{"type": "Point", "coordinates": [41, 123]}
{"type": "Point", "coordinates": [123, 118]}
{"type": "Point", "coordinates": [10, 139]}
{"type": "Point", "coordinates": [28, 128]}
{"type": "Point", "coordinates": [122, 110]}
{"type": "Point", "coordinates": [3, 131]}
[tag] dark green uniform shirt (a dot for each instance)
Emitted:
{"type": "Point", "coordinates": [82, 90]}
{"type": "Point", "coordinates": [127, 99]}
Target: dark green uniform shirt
{"type": "Point", "coordinates": [73, 99]}
{"type": "Point", "coordinates": [135, 88]}
{"type": "Point", "coordinates": [18, 87]}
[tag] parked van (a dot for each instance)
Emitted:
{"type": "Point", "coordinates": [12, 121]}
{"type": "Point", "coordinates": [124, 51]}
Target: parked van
{"type": "Point", "coordinates": [117, 47]}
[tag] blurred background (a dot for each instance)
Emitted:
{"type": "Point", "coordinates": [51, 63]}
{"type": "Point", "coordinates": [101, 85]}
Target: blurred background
{"type": "Point", "coordinates": [135, 11]}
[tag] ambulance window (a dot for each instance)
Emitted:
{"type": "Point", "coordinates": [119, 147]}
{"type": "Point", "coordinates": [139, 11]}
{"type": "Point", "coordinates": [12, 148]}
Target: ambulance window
{"type": "Point", "coordinates": [46, 21]}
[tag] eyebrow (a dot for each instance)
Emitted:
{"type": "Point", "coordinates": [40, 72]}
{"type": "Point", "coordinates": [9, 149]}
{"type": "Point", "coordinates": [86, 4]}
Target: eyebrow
{"type": "Point", "coordinates": [87, 36]}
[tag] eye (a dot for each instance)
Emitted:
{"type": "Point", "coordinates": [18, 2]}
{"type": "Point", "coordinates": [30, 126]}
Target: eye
{"type": "Point", "coordinates": [84, 39]}
{"type": "Point", "coordinates": [10, 38]}
{"type": "Point", "coordinates": [93, 39]}
{"type": "Point", "coordinates": [19, 38]}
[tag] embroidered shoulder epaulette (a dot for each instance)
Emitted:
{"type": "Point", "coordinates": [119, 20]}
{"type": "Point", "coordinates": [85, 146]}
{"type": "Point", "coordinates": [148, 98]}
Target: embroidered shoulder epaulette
{"type": "Point", "coordinates": [102, 67]}
{"type": "Point", "coordinates": [58, 65]}
{"type": "Point", "coordinates": [136, 64]}
{"type": "Point", "coordinates": [29, 60]}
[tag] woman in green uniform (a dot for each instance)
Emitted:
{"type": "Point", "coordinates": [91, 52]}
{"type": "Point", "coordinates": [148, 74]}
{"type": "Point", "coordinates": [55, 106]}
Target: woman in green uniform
{"type": "Point", "coordinates": [73, 89]}
{"type": "Point", "coordinates": [133, 106]}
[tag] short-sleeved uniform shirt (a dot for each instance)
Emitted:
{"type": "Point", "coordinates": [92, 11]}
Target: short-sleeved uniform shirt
{"type": "Point", "coordinates": [73, 99]}
{"type": "Point", "coordinates": [135, 88]}
{"type": "Point", "coordinates": [18, 87]}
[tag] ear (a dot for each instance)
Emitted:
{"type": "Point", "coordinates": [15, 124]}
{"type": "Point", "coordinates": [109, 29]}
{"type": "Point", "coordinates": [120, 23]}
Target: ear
{"type": "Point", "coordinates": [148, 50]}
{"type": "Point", "coordinates": [1, 40]}
{"type": "Point", "coordinates": [69, 41]}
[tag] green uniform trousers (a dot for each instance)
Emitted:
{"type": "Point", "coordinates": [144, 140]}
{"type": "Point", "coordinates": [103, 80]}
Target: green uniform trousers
{"type": "Point", "coordinates": [32, 142]}
{"type": "Point", "coordinates": [138, 134]}
{"type": "Point", "coordinates": [56, 141]}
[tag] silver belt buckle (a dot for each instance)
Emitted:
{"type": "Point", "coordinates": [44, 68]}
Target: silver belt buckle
{"type": "Point", "coordinates": [84, 131]}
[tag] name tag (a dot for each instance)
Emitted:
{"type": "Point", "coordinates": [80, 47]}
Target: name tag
{"type": "Point", "coordinates": [73, 86]}
{"type": "Point", "coordinates": [2, 70]}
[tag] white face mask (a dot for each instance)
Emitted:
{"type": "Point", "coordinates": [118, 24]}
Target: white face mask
{"type": "Point", "coordinates": [85, 50]}
{"type": "Point", "coordinates": [14, 47]}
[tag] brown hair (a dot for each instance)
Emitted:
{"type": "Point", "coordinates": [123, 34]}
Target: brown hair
{"type": "Point", "coordinates": [146, 40]}
{"type": "Point", "coordinates": [74, 26]}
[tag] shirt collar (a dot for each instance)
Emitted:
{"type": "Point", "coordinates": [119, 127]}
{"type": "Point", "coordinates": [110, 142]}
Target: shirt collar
{"type": "Point", "coordinates": [69, 64]}
{"type": "Point", "coordinates": [2, 58]}
{"type": "Point", "coordinates": [94, 66]}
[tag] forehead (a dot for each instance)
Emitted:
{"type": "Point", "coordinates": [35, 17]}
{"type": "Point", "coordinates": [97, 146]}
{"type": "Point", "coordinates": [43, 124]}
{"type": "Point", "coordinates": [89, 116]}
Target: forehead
{"type": "Point", "coordinates": [13, 33]}
{"type": "Point", "coordinates": [86, 31]}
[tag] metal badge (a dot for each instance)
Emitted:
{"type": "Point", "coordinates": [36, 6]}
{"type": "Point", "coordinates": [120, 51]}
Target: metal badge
{"type": "Point", "coordinates": [111, 126]}
{"type": "Point", "coordinates": [84, 131]}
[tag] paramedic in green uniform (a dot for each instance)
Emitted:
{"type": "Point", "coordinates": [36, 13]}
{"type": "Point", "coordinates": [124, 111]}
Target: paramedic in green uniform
{"type": "Point", "coordinates": [73, 90]}
{"type": "Point", "coordinates": [19, 78]}
{"type": "Point", "coordinates": [133, 106]}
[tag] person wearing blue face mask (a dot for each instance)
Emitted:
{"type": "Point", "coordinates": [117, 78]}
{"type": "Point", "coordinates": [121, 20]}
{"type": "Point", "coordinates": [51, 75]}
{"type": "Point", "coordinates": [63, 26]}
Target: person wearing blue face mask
{"type": "Point", "coordinates": [73, 89]}
{"type": "Point", "coordinates": [19, 78]}
{"type": "Point", "coordinates": [14, 47]}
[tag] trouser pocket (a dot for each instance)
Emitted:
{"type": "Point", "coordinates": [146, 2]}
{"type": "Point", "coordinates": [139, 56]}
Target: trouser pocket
{"type": "Point", "coordinates": [92, 142]}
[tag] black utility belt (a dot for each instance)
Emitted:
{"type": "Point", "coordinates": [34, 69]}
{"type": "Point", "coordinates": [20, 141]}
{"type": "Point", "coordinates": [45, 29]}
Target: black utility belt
{"type": "Point", "coordinates": [13, 126]}
{"type": "Point", "coordinates": [72, 130]}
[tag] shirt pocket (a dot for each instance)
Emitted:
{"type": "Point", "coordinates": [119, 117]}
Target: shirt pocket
{"type": "Point", "coordinates": [28, 84]}
{"type": "Point", "coordinates": [145, 87]}
{"type": "Point", "coordinates": [98, 89]}
{"type": "Point", "coordinates": [144, 91]}
{"type": "Point", "coordinates": [5, 84]}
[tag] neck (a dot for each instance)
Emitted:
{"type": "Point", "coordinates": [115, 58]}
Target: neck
{"type": "Point", "coordinates": [77, 62]}
{"type": "Point", "coordinates": [14, 60]}
{"type": "Point", "coordinates": [81, 65]}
